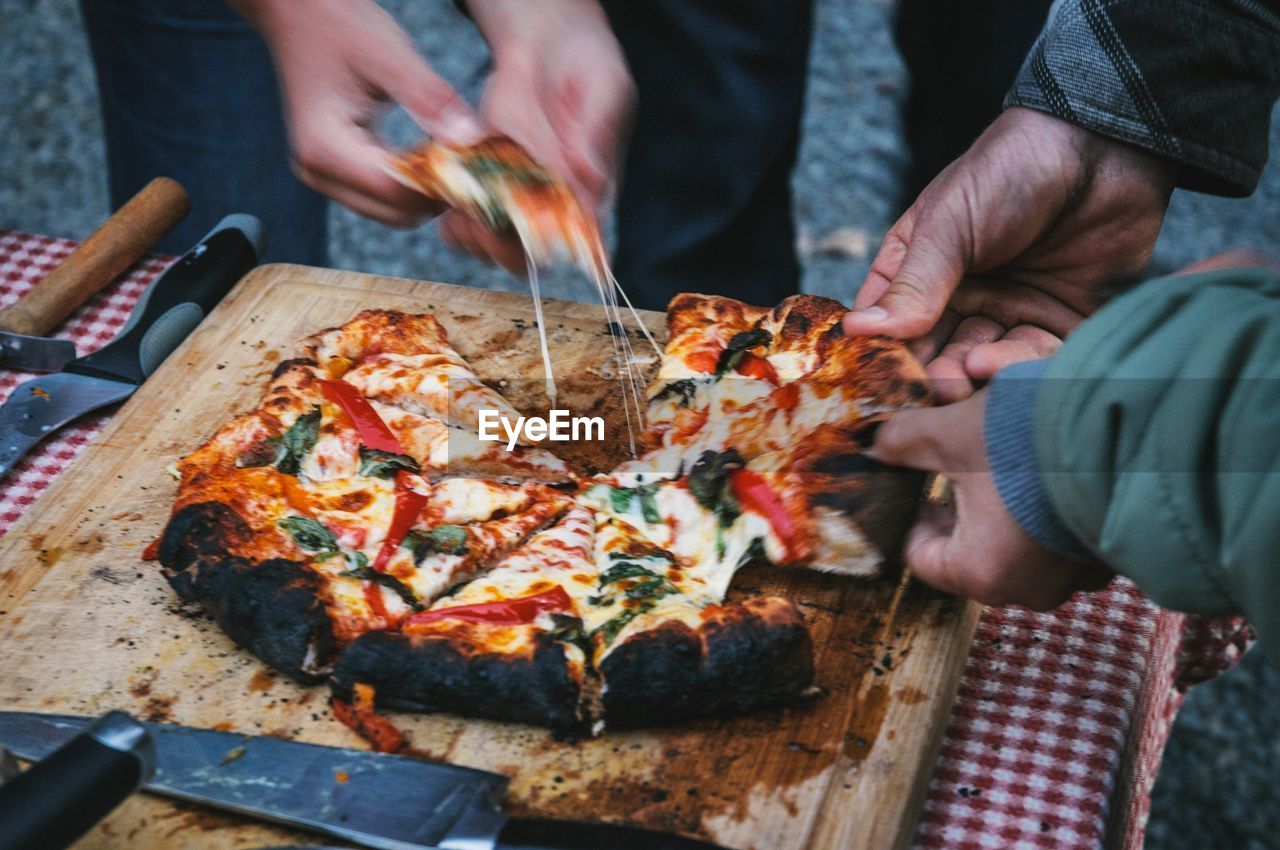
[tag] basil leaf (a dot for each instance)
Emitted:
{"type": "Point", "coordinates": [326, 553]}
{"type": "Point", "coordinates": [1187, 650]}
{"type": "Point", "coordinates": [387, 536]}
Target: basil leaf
{"type": "Point", "coordinates": [309, 534]}
{"type": "Point", "coordinates": [492, 167]}
{"type": "Point", "coordinates": [379, 464]}
{"type": "Point", "coordinates": [364, 572]}
{"type": "Point", "coordinates": [298, 441]}
{"type": "Point", "coordinates": [623, 498]}
{"type": "Point", "coordinates": [649, 503]}
{"type": "Point", "coordinates": [685, 388]}
{"type": "Point", "coordinates": [709, 476]}
{"type": "Point", "coordinates": [654, 588]}
{"type": "Point", "coordinates": [620, 499]}
{"type": "Point", "coordinates": [749, 339]}
{"type": "Point", "coordinates": [649, 554]}
{"type": "Point", "coordinates": [755, 552]}
{"type": "Point", "coordinates": [443, 539]}
{"type": "Point", "coordinates": [626, 569]}
{"type": "Point", "coordinates": [570, 630]}
{"type": "Point", "coordinates": [729, 360]}
{"type": "Point", "coordinates": [609, 629]}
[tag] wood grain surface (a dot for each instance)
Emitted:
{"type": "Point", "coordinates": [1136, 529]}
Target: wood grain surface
{"type": "Point", "coordinates": [87, 626]}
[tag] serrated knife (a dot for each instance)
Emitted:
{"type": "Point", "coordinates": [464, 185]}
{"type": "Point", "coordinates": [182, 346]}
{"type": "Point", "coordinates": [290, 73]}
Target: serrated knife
{"type": "Point", "coordinates": [387, 802]}
{"type": "Point", "coordinates": [165, 314]}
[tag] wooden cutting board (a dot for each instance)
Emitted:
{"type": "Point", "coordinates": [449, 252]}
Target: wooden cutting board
{"type": "Point", "coordinates": [86, 625]}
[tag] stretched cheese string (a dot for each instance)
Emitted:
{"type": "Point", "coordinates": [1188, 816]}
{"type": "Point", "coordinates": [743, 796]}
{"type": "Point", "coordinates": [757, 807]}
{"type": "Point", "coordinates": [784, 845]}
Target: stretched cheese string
{"type": "Point", "coordinates": [552, 393]}
{"type": "Point", "coordinates": [586, 250]}
{"type": "Point", "coordinates": [628, 371]}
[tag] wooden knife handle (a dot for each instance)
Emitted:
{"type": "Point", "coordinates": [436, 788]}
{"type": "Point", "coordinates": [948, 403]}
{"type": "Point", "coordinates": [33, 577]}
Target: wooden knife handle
{"type": "Point", "coordinates": [117, 244]}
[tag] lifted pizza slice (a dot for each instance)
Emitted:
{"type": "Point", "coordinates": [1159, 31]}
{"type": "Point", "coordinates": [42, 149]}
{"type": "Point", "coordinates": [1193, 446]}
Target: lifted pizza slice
{"type": "Point", "coordinates": [498, 183]}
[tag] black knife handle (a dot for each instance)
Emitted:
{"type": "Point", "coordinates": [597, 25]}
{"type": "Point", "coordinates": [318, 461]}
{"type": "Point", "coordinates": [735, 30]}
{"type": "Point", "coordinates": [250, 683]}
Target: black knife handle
{"type": "Point", "coordinates": [536, 834]}
{"type": "Point", "coordinates": [59, 798]}
{"type": "Point", "coordinates": [172, 306]}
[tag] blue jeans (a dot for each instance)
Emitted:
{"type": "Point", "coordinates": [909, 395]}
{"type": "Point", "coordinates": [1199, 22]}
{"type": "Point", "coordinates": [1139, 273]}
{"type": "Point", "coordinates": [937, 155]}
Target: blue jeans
{"type": "Point", "coordinates": [188, 91]}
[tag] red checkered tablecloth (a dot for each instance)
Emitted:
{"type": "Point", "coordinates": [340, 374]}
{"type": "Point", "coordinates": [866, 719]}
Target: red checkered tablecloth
{"type": "Point", "coordinates": [1060, 719]}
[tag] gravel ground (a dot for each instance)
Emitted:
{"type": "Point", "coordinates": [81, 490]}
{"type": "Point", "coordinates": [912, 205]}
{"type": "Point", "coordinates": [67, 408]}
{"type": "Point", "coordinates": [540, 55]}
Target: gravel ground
{"type": "Point", "coordinates": [1218, 786]}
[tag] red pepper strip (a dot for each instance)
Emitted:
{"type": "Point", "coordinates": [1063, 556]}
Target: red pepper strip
{"type": "Point", "coordinates": [409, 505]}
{"type": "Point", "coordinates": [507, 612]}
{"type": "Point", "coordinates": [361, 716]}
{"type": "Point", "coordinates": [373, 595]}
{"type": "Point", "coordinates": [754, 493]}
{"type": "Point", "coordinates": [152, 552]}
{"type": "Point", "coordinates": [755, 366]}
{"type": "Point", "coordinates": [374, 433]}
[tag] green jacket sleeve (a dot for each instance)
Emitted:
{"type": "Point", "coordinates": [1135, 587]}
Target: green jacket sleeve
{"type": "Point", "coordinates": [1157, 436]}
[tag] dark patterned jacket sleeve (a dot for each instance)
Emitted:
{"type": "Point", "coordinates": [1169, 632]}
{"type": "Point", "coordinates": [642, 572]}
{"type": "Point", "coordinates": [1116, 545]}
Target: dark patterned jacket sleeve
{"type": "Point", "coordinates": [1190, 80]}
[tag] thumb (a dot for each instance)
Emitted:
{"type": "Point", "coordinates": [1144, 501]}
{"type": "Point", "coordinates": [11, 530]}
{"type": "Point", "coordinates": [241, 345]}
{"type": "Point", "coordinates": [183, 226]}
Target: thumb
{"type": "Point", "coordinates": [911, 438]}
{"type": "Point", "coordinates": [931, 269]}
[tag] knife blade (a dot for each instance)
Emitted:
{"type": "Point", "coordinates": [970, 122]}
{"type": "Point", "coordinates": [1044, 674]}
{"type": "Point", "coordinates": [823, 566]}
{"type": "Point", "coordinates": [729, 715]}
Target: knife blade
{"type": "Point", "coordinates": [117, 244]}
{"type": "Point", "coordinates": [165, 314]}
{"type": "Point", "coordinates": [387, 802]}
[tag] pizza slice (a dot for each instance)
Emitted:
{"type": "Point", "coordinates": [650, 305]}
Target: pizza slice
{"type": "Point", "coordinates": [404, 361]}
{"type": "Point", "coordinates": [509, 645]}
{"type": "Point", "coordinates": [665, 644]}
{"type": "Point", "coordinates": [497, 182]}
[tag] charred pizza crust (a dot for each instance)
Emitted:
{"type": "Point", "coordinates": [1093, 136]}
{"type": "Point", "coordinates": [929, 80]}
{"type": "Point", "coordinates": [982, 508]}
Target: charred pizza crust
{"type": "Point", "coordinates": [271, 607]}
{"type": "Point", "coordinates": [741, 657]}
{"type": "Point", "coordinates": [463, 673]}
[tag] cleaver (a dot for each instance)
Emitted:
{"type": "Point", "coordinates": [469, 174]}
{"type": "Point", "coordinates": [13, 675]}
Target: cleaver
{"type": "Point", "coordinates": [117, 244]}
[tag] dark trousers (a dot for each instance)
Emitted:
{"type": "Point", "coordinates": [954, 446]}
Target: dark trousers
{"type": "Point", "coordinates": [705, 204]}
{"type": "Point", "coordinates": [962, 58]}
{"type": "Point", "coordinates": [187, 90]}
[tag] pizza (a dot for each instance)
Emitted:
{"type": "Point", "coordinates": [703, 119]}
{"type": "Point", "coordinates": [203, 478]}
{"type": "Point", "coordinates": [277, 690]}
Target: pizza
{"type": "Point", "coordinates": [353, 529]}
{"type": "Point", "coordinates": [498, 183]}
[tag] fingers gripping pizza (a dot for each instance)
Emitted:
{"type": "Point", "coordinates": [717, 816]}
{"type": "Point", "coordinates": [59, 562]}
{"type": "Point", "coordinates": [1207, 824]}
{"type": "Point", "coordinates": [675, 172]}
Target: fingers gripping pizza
{"type": "Point", "coordinates": [352, 528]}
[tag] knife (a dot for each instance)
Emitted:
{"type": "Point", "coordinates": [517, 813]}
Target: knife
{"type": "Point", "coordinates": [382, 801]}
{"type": "Point", "coordinates": [165, 314]}
{"type": "Point", "coordinates": [117, 244]}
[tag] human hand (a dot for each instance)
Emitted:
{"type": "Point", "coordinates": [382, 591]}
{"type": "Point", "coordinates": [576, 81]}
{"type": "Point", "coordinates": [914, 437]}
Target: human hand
{"type": "Point", "coordinates": [1041, 219]}
{"type": "Point", "coordinates": [561, 88]}
{"type": "Point", "coordinates": [340, 62]}
{"type": "Point", "coordinates": [976, 549]}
